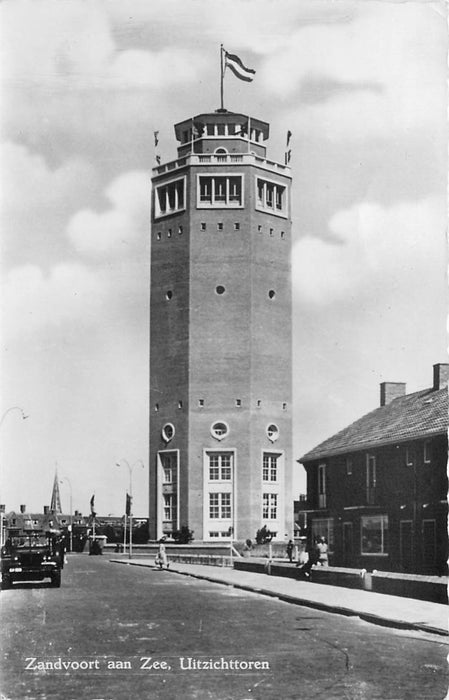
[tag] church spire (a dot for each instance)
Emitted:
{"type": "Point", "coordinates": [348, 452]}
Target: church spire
{"type": "Point", "coordinates": [55, 505]}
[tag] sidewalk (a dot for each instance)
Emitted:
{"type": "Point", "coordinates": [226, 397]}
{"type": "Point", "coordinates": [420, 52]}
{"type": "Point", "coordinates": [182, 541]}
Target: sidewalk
{"type": "Point", "coordinates": [387, 610]}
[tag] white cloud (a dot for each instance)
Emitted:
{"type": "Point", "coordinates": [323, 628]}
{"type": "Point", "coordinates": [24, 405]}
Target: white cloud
{"type": "Point", "coordinates": [32, 300]}
{"type": "Point", "coordinates": [386, 67]}
{"type": "Point", "coordinates": [71, 44]}
{"type": "Point", "coordinates": [27, 177]}
{"type": "Point", "coordinates": [377, 250]}
{"type": "Point", "coordinates": [117, 229]}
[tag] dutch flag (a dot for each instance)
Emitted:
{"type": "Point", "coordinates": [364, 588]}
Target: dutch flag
{"type": "Point", "coordinates": [238, 68]}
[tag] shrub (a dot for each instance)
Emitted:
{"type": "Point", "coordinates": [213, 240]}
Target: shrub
{"type": "Point", "coordinates": [183, 536]}
{"type": "Point", "coordinates": [263, 536]}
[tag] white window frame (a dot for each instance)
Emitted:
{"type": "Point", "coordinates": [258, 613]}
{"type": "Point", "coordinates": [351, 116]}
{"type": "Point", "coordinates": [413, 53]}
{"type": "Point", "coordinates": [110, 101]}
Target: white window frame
{"type": "Point", "coordinates": [170, 504]}
{"type": "Point", "coordinates": [270, 505]}
{"type": "Point", "coordinates": [158, 213]}
{"type": "Point", "coordinates": [211, 486]}
{"type": "Point", "coordinates": [219, 500]}
{"type": "Point", "coordinates": [164, 488]}
{"type": "Point", "coordinates": [218, 435]}
{"type": "Point", "coordinates": [165, 436]}
{"type": "Point", "coordinates": [227, 203]}
{"type": "Point", "coordinates": [427, 452]}
{"type": "Point", "coordinates": [222, 470]}
{"type": "Point", "coordinates": [268, 471]}
{"type": "Point", "coordinates": [261, 204]}
{"type": "Point", "coordinates": [272, 431]}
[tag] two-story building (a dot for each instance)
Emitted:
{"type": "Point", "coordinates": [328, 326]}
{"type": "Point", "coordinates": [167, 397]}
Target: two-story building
{"type": "Point", "coordinates": [377, 490]}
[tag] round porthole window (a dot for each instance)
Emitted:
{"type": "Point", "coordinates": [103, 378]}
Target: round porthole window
{"type": "Point", "coordinates": [168, 294]}
{"type": "Point", "coordinates": [271, 294]}
{"type": "Point", "coordinates": [272, 432]}
{"type": "Point", "coordinates": [219, 430]}
{"type": "Point", "coordinates": [168, 432]}
{"type": "Point", "coordinates": [220, 289]}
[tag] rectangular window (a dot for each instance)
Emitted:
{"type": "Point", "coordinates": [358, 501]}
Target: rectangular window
{"type": "Point", "coordinates": [220, 191]}
{"type": "Point", "coordinates": [348, 466]}
{"type": "Point", "coordinates": [270, 467]}
{"type": "Point", "coordinates": [169, 197]}
{"type": "Point", "coordinates": [271, 196]}
{"type": "Point", "coordinates": [220, 466]}
{"type": "Point", "coordinates": [269, 506]}
{"type": "Point", "coordinates": [324, 527]}
{"type": "Point", "coordinates": [322, 495]}
{"type": "Point", "coordinates": [169, 506]}
{"type": "Point", "coordinates": [427, 452]}
{"type": "Point", "coordinates": [370, 479]}
{"type": "Point", "coordinates": [220, 506]}
{"type": "Point", "coordinates": [374, 534]}
{"type": "Point", "coordinates": [169, 461]}
{"type": "Point", "coordinates": [409, 456]}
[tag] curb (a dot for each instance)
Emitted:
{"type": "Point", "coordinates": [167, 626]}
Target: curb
{"type": "Point", "coordinates": [306, 602]}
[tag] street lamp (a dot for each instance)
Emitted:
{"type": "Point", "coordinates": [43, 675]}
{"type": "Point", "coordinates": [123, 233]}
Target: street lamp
{"type": "Point", "coordinates": [66, 478]}
{"type": "Point", "coordinates": [130, 470]}
{"type": "Point", "coordinates": [2, 507]}
{"type": "Point", "coordinates": [12, 408]}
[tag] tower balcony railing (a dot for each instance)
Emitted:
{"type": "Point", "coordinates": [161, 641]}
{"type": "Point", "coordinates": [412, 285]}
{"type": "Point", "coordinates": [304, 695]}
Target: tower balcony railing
{"type": "Point", "coordinates": [220, 159]}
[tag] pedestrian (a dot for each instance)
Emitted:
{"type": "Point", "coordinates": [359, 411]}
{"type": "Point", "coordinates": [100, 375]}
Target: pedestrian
{"type": "Point", "coordinates": [321, 549]}
{"type": "Point", "coordinates": [307, 561]}
{"type": "Point", "coordinates": [161, 557]}
{"type": "Point", "coordinates": [290, 551]}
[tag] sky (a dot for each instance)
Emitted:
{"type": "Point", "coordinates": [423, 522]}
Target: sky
{"type": "Point", "coordinates": [83, 86]}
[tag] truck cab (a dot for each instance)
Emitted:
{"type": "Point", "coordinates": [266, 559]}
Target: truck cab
{"type": "Point", "coordinates": [31, 556]}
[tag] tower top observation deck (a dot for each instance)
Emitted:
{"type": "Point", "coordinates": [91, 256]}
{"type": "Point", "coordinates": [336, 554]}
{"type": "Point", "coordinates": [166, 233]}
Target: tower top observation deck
{"type": "Point", "coordinates": [233, 132]}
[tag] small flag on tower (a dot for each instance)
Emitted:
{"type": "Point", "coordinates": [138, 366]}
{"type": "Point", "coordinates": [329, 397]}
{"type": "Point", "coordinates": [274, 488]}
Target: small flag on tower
{"type": "Point", "coordinates": [289, 135]}
{"type": "Point", "coordinates": [238, 67]}
{"type": "Point", "coordinates": [92, 503]}
{"type": "Point", "coordinates": [156, 138]}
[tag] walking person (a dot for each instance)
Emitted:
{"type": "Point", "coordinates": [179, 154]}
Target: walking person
{"type": "Point", "coordinates": [290, 551]}
{"type": "Point", "coordinates": [161, 557]}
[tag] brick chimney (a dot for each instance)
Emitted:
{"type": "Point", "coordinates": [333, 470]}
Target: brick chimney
{"type": "Point", "coordinates": [23, 508]}
{"type": "Point", "coordinates": [440, 376]}
{"type": "Point", "coordinates": [390, 391]}
{"type": "Point", "coordinates": [46, 510]}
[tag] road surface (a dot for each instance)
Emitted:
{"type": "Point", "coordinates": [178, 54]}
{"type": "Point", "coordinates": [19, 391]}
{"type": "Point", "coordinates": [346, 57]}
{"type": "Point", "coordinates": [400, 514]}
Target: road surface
{"type": "Point", "coordinates": [117, 632]}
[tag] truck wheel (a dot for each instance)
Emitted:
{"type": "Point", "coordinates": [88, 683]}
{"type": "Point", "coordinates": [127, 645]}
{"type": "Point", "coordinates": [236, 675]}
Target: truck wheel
{"type": "Point", "coordinates": [6, 582]}
{"type": "Point", "coordinates": [56, 579]}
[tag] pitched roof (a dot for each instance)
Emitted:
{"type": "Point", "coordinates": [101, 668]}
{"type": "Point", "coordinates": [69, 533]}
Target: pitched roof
{"type": "Point", "coordinates": [408, 417]}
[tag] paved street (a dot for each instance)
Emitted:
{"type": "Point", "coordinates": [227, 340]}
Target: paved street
{"type": "Point", "coordinates": [118, 632]}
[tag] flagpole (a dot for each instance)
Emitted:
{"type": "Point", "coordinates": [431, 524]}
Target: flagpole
{"type": "Point", "coordinates": [222, 76]}
{"type": "Point", "coordinates": [124, 537]}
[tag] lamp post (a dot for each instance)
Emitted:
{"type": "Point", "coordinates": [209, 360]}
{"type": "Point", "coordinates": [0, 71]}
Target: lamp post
{"type": "Point", "coordinates": [12, 408]}
{"type": "Point", "coordinates": [2, 507]}
{"type": "Point", "coordinates": [2, 515]}
{"type": "Point", "coordinates": [66, 478]}
{"type": "Point", "coordinates": [130, 470]}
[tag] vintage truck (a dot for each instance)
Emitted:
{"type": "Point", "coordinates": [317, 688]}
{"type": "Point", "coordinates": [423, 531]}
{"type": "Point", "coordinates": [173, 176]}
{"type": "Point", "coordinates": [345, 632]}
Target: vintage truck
{"type": "Point", "coordinates": [31, 556]}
